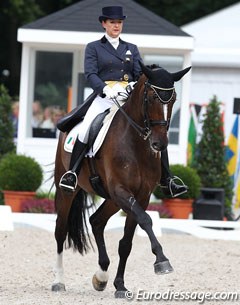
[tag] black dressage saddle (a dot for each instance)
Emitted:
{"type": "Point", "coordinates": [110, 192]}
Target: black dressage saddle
{"type": "Point", "coordinates": [74, 117]}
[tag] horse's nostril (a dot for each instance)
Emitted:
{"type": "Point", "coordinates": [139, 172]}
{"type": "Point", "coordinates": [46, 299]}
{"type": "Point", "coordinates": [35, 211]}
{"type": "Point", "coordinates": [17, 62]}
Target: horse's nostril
{"type": "Point", "coordinates": [156, 146]}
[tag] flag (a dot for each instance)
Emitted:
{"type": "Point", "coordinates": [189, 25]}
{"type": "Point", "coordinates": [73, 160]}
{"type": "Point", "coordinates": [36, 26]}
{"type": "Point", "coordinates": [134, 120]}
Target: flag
{"type": "Point", "coordinates": [237, 193]}
{"type": "Point", "coordinates": [201, 118]}
{"type": "Point", "coordinates": [192, 135]}
{"type": "Point", "coordinates": [232, 151]}
{"type": "Point", "coordinates": [237, 185]}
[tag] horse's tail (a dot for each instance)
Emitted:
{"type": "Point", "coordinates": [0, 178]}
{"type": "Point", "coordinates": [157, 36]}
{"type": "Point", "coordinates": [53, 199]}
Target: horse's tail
{"type": "Point", "coordinates": [78, 235]}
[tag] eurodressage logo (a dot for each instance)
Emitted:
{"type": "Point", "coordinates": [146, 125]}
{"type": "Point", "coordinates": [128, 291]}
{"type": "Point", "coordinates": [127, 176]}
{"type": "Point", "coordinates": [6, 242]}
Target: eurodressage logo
{"type": "Point", "coordinates": [170, 295]}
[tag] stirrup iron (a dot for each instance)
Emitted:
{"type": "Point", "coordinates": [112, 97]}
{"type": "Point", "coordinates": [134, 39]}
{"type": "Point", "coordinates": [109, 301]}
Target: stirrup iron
{"type": "Point", "coordinates": [69, 187]}
{"type": "Point", "coordinates": [173, 179]}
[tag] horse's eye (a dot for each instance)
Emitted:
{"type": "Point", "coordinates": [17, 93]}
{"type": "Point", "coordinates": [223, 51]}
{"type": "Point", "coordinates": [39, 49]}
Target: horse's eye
{"type": "Point", "coordinates": [152, 98]}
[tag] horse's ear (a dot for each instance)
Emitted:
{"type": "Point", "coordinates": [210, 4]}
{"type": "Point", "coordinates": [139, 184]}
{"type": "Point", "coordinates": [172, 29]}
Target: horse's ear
{"type": "Point", "coordinates": [178, 75]}
{"type": "Point", "coordinates": [147, 71]}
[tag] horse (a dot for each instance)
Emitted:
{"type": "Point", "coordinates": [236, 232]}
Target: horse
{"type": "Point", "coordinates": [128, 163]}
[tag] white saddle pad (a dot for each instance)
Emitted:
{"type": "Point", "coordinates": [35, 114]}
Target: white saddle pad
{"type": "Point", "coordinates": [71, 137]}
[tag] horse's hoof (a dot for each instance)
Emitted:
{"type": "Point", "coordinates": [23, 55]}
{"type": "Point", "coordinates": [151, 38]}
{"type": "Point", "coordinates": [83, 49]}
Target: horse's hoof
{"type": "Point", "coordinates": [58, 287]}
{"type": "Point", "coordinates": [121, 294]}
{"type": "Point", "coordinates": [98, 285]}
{"type": "Point", "coordinates": [163, 267]}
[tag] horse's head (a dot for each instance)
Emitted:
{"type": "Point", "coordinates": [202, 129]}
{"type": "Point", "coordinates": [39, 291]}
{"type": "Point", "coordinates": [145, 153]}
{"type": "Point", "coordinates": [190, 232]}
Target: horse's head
{"type": "Point", "coordinates": [158, 98]}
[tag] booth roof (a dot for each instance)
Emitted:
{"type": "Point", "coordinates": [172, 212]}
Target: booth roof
{"type": "Point", "coordinates": [83, 17]}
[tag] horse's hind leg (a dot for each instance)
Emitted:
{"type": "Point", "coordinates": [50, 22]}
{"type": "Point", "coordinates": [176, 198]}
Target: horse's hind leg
{"type": "Point", "coordinates": [98, 222]}
{"type": "Point", "coordinates": [63, 207]}
{"type": "Point", "coordinates": [124, 249]}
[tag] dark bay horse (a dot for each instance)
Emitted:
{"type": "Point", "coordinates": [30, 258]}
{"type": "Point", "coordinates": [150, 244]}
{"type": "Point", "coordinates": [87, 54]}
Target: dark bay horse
{"type": "Point", "coordinates": [130, 168]}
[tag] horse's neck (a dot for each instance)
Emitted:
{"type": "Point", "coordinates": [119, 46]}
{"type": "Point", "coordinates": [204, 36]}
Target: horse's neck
{"type": "Point", "coordinates": [134, 106]}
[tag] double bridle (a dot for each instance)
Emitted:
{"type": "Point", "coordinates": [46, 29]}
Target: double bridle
{"type": "Point", "coordinates": [146, 131]}
{"type": "Point", "coordinates": [147, 122]}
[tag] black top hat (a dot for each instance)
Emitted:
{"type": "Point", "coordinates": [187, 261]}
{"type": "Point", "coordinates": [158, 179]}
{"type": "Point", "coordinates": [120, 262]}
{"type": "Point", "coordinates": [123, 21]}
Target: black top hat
{"type": "Point", "coordinates": [112, 12]}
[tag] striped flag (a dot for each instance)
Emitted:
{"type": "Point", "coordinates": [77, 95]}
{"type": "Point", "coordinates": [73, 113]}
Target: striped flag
{"type": "Point", "coordinates": [232, 151]}
{"type": "Point", "coordinates": [237, 193]}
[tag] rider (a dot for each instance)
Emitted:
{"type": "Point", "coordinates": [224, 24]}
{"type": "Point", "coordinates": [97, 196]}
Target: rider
{"type": "Point", "coordinates": [111, 63]}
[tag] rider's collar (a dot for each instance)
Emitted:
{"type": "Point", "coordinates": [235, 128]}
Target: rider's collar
{"type": "Point", "coordinates": [114, 41]}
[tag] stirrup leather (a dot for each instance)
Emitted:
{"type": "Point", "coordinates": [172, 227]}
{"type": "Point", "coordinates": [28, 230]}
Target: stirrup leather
{"type": "Point", "coordinates": [61, 184]}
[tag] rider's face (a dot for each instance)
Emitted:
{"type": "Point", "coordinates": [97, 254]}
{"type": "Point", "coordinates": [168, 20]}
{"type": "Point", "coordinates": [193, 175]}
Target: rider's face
{"type": "Point", "coordinates": [113, 27]}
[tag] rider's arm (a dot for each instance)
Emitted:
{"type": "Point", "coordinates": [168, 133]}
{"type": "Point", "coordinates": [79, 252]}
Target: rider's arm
{"type": "Point", "coordinates": [136, 66]}
{"type": "Point", "coordinates": [91, 68]}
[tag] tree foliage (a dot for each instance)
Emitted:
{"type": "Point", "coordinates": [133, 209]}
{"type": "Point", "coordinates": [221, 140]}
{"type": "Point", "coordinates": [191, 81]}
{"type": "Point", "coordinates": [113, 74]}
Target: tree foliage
{"type": "Point", "coordinates": [6, 126]}
{"type": "Point", "coordinates": [210, 157]}
{"type": "Point", "coordinates": [181, 12]}
{"type": "Point", "coordinates": [21, 11]}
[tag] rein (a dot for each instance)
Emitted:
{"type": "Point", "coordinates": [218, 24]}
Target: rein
{"type": "Point", "coordinates": [145, 131]}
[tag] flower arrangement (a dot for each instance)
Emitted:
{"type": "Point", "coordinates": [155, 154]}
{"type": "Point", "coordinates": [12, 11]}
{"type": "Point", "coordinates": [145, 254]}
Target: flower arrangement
{"type": "Point", "coordinates": [38, 205]}
{"type": "Point", "coordinates": [163, 211]}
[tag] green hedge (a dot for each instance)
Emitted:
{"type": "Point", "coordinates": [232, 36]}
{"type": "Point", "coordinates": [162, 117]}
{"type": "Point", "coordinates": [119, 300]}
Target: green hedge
{"type": "Point", "coordinates": [189, 177]}
{"type": "Point", "coordinates": [20, 173]}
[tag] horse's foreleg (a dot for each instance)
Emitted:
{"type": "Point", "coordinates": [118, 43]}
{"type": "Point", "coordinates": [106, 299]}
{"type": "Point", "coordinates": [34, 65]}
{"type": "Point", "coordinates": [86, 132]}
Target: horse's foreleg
{"type": "Point", "coordinates": [124, 249]}
{"type": "Point", "coordinates": [60, 236]}
{"type": "Point", "coordinates": [161, 265]}
{"type": "Point", "coordinates": [130, 205]}
{"type": "Point", "coordinates": [98, 221]}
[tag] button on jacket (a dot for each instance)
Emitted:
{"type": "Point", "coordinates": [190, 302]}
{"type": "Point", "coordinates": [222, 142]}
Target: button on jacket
{"type": "Point", "coordinates": [104, 63]}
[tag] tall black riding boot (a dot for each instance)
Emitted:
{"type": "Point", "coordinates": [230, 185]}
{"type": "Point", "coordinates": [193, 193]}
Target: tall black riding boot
{"type": "Point", "coordinates": [68, 181]}
{"type": "Point", "coordinates": [167, 183]}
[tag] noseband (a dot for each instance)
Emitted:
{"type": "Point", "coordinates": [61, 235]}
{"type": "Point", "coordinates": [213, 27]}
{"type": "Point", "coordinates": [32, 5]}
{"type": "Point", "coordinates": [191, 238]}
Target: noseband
{"type": "Point", "coordinates": [147, 121]}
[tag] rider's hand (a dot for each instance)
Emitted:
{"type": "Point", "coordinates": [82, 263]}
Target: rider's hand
{"type": "Point", "coordinates": [132, 84]}
{"type": "Point", "coordinates": [130, 87]}
{"type": "Point", "coordinates": [109, 92]}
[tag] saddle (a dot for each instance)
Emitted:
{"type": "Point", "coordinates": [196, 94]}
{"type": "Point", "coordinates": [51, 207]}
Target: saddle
{"type": "Point", "coordinates": [75, 116]}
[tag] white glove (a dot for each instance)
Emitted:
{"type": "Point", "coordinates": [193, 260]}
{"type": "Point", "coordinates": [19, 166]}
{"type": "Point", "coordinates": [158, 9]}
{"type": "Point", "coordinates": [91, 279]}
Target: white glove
{"type": "Point", "coordinates": [130, 87]}
{"type": "Point", "coordinates": [132, 84]}
{"type": "Point", "coordinates": [109, 92]}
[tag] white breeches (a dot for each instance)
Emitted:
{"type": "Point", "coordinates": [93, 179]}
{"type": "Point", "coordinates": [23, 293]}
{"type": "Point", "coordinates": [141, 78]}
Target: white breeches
{"type": "Point", "coordinates": [99, 105]}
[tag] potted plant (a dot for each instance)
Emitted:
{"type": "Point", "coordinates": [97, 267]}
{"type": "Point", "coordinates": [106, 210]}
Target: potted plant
{"type": "Point", "coordinates": [20, 177]}
{"type": "Point", "coordinates": [181, 206]}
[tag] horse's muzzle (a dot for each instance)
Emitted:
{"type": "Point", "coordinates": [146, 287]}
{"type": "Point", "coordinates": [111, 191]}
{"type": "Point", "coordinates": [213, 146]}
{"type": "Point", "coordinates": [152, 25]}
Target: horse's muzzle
{"type": "Point", "coordinates": [158, 146]}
